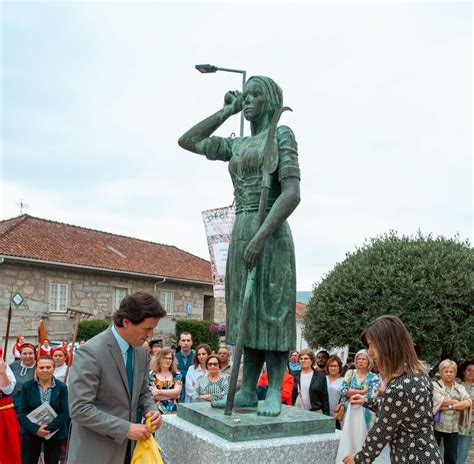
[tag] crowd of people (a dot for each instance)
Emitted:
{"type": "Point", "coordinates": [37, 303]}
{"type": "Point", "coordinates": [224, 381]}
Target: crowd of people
{"type": "Point", "coordinates": [403, 407]}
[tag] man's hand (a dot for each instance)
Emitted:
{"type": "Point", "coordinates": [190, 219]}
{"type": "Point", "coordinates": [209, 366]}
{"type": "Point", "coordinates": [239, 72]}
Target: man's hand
{"type": "Point", "coordinates": [42, 432]}
{"type": "Point", "coordinates": [138, 432]}
{"type": "Point", "coordinates": [349, 459]}
{"type": "Point", "coordinates": [155, 419]}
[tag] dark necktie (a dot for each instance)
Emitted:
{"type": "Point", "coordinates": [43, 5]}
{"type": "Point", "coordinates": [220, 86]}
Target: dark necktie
{"type": "Point", "coordinates": [129, 369]}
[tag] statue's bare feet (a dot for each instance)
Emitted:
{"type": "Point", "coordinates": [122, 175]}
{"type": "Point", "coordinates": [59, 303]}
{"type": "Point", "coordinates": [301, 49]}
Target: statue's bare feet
{"type": "Point", "coordinates": [272, 404]}
{"type": "Point", "coordinates": [243, 399]}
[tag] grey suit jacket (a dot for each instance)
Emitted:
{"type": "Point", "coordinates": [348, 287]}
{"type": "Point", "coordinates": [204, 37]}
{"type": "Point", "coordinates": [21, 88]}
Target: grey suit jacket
{"type": "Point", "coordinates": [100, 406]}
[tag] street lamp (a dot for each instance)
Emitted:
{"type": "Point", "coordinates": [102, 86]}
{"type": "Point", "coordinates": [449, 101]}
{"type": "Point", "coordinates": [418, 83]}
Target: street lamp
{"type": "Point", "coordinates": [209, 68]}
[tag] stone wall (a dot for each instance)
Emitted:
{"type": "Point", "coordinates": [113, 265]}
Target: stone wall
{"type": "Point", "coordinates": [90, 291]}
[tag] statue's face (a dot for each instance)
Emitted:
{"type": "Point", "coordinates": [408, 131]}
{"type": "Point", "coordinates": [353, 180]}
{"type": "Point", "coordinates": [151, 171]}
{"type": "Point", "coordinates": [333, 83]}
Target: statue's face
{"type": "Point", "coordinates": [253, 101]}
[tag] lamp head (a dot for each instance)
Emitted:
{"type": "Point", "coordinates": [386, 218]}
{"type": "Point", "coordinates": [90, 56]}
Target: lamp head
{"type": "Point", "coordinates": [206, 68]}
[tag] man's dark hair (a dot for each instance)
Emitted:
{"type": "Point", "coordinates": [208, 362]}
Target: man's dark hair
{"type": "Point", "coordinates": [154, 342]}
{"type": "Point", "coordinates": [138, 307]}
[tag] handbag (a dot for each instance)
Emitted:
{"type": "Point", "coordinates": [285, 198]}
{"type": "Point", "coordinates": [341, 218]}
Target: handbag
{"type": "Point", "coordinates": [338, 413]}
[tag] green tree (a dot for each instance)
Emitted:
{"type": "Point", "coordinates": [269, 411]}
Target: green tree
{"type": "Point", "coordinates": [89, 329]}
{"type": "Point", "coordinates": [426, 281]}
{"type": "Point", "coordinates": [199, 331]}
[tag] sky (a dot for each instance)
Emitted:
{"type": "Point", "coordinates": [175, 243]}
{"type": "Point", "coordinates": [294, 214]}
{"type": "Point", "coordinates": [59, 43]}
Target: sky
{"type": "Point", "coordinates": [94, 96]}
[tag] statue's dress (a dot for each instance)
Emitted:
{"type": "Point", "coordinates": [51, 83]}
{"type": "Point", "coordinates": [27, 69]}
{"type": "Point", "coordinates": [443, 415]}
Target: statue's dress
{"type": "Point", "coordinates": [271, 324]}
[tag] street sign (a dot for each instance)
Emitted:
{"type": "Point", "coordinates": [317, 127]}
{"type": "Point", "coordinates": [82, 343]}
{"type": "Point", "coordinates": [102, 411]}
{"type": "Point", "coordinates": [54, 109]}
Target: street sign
{"type": "Point", "coordinates": [18, 299]}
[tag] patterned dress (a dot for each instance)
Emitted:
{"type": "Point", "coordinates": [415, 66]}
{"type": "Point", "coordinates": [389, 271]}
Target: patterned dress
{"type": "Point", "coordinates": [165, 406]}
{"type": "Point", "coordinates": [217, 389]}
{"type": "Point", "coordinates": [404, 422]}
{"type": "Point", "coordinates": [370, 381]}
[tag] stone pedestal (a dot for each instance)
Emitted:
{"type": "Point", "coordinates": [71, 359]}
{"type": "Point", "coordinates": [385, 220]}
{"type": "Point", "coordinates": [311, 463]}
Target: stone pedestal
{"type": "Point", "coordinates": [188, 443]}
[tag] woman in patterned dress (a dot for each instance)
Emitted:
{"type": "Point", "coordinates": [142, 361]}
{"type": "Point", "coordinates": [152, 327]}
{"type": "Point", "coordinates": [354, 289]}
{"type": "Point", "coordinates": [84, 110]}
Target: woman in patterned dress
{"type": "Point", "coordinates": [404, 412]}
{"type": "Point", "coordinates": [214, 385]}
{"type": "Point", "coordinates": [165, 381]}
{"type": "Point", "coordinates": [363, 382]}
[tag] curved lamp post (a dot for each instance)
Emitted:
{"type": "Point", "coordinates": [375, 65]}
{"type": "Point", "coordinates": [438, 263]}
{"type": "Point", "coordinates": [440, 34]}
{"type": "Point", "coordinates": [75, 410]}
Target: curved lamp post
{"type": "Point", "coordinates": [209, 68]}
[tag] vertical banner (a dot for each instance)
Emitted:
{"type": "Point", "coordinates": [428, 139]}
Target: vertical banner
{"type": "Point", "coordinates": [218, 224]}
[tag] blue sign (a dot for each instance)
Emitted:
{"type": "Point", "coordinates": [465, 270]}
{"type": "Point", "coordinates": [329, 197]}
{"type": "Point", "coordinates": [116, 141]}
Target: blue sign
{"type": "Point", "coordinates": [189, 309]}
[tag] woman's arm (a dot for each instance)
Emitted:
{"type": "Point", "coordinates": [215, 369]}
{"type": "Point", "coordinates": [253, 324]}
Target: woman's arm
{"type": "Point", "coordinates": [194, 139]}
{"type": "Point", "coordinates": [25, 408]}
{"type": "Point", "coordinates": [284, 205]}
{"type": "Point", "coordinates": [62, 410]}
{"type": "Point", "coordinates": [172, 393]}
{"type": "Point", "coordinates": [388, 420]}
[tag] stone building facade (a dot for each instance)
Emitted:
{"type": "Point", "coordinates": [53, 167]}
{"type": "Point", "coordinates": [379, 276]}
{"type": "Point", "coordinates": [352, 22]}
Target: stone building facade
{"type": "Point", "coordinates": [51, 285]}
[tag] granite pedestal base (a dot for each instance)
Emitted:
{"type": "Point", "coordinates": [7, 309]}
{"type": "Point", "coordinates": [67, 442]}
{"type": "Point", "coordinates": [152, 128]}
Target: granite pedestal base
{"type": "Point", "coordinates": [188, 443]}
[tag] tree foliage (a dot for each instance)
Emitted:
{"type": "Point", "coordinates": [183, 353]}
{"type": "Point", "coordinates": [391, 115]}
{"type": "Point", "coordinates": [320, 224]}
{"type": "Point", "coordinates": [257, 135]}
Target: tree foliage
{"type": "Point", "coordinates": [89, 329]}
{"type": "Point", "coordinates": [199, 331]}
{"type": "Point", "coordinates": [426, 281]}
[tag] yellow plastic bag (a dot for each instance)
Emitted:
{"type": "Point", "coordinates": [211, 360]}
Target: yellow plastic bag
{"type": "Point", "coordinates": [147, 451]}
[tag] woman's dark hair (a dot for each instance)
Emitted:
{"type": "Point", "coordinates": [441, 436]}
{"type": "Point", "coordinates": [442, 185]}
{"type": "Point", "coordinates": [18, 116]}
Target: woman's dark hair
{"type": "Point", "coordinates": [463, 367]}
{"type": "Point", "coordinates": [213, 356]}
{"type": "Point", "coordinates": [337, 359]}
{"type": "Point", "coordinates": [45, 357]}
{"type": "Point", "coordinates": [394, 345]}
{"type": "Point", "coordinates": [206, 348]}
{"type": "Point", "coordinates": [138, 307]}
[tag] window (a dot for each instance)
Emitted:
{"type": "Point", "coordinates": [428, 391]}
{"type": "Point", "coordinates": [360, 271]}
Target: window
{"type": "Point", "coordinates": [118, 295]}
{"type": "Point", "coordinates": [167, 301]}
{"type": "Point", "coordinates": [58, 297]}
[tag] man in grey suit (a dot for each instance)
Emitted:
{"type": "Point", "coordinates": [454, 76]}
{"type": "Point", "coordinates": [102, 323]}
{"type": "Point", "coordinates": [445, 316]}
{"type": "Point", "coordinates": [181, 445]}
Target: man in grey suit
{"type": "Point", "coordinates": [108, 384]}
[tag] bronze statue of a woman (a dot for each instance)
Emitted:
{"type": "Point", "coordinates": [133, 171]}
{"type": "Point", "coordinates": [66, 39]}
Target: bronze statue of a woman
{"type": "Point", "coordinates": [270, 331]}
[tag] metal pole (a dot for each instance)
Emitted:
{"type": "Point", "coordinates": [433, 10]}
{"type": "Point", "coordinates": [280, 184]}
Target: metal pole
{"type": "Point", "coordinates": [244, 75]}
{"type": "Point", "coordinates": [8, 331]}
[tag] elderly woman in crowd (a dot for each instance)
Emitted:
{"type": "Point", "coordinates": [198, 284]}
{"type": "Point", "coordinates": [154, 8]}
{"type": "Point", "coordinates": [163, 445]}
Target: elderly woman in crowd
{"type": "Point", "coordinates": [466, 426]}
{"type": "Point", "coordinates": [404, 413]}
{"type": "Point", "coordinates": [214, 385]}
{"type": "Point", "coordinates": [334, 383]}
{"type": "Point", "coordinates": [449, 399]}
{"type": "Point", "coordinates": [23, 370]}
{"type": "Point", "coordinates": [196, 370]}
{"type": "Point", "coordinates": [43, 389]}
{"type": "Point", "coordinates": [310, 389]}
{"type": "Point", "coordinates": [60, 366]}
{"type": "Point", "coordinates": [361, 381]}
{"type": "Point", "coordinates": [165, 381]}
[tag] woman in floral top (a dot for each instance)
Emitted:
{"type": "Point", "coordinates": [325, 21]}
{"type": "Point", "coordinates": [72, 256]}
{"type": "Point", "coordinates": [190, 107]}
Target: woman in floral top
{"type": "Point", "coordinates": [165, 381]}
{"type": "Point", "coordinates": [363, 382]}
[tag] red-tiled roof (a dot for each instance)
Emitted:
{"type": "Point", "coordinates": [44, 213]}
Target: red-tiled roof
{"type": "Point", "coordinates": [300, 310]}
{"type": "Point", "coordinates": [40, 239]}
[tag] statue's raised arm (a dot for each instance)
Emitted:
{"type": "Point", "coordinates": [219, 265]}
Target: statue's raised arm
{"type": "Point", "coordinates": [195, 138]}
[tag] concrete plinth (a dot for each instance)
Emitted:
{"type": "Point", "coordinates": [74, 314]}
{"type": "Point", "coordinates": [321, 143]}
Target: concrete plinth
{"type": "Point", "coordinates": [188, 443]}
{"type": "Point", "coordinates": [245, 424]}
